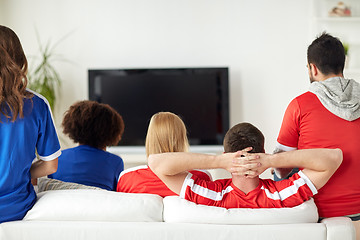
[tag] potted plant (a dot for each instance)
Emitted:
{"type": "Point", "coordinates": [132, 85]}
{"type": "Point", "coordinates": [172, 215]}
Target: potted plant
{"type": "Point", "coordinates": [44, 78]}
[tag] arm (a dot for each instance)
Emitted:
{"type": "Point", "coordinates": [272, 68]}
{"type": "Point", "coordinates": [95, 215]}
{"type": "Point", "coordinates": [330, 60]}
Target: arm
{"type": "Point", "coordinates": [319, 164]}
{"type": "Point", "coordinates": [171, 167]}
{"type": "Point", "coordinates": [281, 172]}
{"type": "Point", "coordinates": [42, 168]}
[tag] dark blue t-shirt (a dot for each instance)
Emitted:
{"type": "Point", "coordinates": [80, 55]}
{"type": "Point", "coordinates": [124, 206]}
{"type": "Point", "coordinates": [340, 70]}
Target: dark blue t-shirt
{"type": "Point", "coordinates": [89, 166]}
{"type": "Point", "coordinates": [19, 142]}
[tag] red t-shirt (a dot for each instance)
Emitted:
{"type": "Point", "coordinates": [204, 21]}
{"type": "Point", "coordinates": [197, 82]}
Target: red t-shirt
{"type": "Point", "coordinates": [308, 124]}
{"type": "Point", "coordinates": [142, 180]}
{"type": "Point", "coordinates": [269, 194]}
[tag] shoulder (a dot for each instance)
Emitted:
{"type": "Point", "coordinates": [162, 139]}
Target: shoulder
{"type": "Point", "coordinates": [305, 98]}
{"type": "Point", "coordinates": [301, 98]}
{"type": "Point", "coordinates": [38, 98]}
{"type": "Point", "coordinates": [203, 174]}
{"type": "Point", "coordinates": [143, 169]}
{"type": "Point", "coordinates": [38, 104]}
{"type": "Point", "coordinates": [195, 181]}
{"type": "Point", "coordinates": [115, 160]}
{"type": "Point", "coordinates": [301, 105]}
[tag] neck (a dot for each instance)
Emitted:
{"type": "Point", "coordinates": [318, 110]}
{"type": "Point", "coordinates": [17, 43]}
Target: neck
{"type": "Point", "coordinates": [245, 184]}
{"type": "Point", "coordinates": [324, 77]}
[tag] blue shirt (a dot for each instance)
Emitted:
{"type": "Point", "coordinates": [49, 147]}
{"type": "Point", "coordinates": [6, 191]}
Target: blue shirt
{"type": "Point", "coordinates": [89, 166]}
{"type": "Point", "coordinates": [19, 142]}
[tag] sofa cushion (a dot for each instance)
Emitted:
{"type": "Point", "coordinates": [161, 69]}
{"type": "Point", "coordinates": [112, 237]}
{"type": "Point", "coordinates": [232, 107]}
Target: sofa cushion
{"type": "Point", "coordinates": [96, 205]}
{"type": "Point", "coordinates": [179, 210]}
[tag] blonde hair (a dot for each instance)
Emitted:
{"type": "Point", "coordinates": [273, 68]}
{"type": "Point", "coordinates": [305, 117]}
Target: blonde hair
{"type": "Point", "coordinates": [166, 133]}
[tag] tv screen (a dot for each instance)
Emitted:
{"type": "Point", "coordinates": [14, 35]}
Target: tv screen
{"type": "Point", "coordinates": [198, 95]}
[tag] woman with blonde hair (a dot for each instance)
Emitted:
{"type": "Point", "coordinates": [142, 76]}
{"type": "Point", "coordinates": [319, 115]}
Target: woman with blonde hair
{"type": "Point", "coordinates": [26, 131]}
{"type": "Point", "coordinates": [166, 133]}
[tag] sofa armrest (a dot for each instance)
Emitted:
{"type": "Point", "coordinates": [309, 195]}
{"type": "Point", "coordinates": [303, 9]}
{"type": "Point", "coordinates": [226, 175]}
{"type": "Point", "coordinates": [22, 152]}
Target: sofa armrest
{"type": "Point", "coordinates": [339, 228]}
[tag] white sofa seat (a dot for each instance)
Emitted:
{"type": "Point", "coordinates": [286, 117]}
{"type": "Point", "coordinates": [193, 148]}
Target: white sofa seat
{"type": "Point", "coordinates": [99, 214]}
{"type": "Point", "coordinates": [92, 230]}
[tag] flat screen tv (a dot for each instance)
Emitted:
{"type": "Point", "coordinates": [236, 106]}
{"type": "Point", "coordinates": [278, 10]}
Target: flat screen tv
{"type": "Point", "coordinates": [200, 96]}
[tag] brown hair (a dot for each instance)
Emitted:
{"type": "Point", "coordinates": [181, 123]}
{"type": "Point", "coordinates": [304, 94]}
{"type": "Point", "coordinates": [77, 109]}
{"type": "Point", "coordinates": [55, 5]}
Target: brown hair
{"type": "Point", "coordinates": [13, 70]}
{"type": "Point", "coordinates": [94, 124]}
{"type": "Point", "coordinates": [166, 133]}
{"type": "Point", "coordinates": [244, 135]}
{"type": "Point", "coordinates": [327, 53]}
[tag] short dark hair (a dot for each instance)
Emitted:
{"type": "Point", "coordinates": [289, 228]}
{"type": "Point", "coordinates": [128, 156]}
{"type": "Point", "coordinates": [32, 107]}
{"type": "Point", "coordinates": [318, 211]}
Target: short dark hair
{"type": "Point", "coordinates": [244, 135]}
{"type": "Point", "coordinates": [95, 124]}
{"type": "Point", "coordinates": [327, 53]}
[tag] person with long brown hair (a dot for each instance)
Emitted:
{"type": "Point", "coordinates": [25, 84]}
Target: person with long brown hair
{"type": "Point", "coordinates": [166, 133]}
{"type": "Point", "coordinates": [26, 131]}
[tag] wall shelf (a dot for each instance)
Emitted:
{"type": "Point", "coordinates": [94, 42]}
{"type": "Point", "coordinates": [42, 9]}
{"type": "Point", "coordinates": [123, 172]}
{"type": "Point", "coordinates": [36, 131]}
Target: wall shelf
{"type": "Point", "coordinates": [347, 29]}
{"type": "Point", "coordinates": [338, 19]}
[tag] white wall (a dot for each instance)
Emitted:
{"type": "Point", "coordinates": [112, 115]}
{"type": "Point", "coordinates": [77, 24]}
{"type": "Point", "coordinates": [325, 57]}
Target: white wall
{"type": "Point", "coordinates": [262, 41]}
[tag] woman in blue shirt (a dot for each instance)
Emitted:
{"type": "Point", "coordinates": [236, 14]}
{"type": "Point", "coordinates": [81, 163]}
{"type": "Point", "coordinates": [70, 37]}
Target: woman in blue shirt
{"type": "Point", "coordinates": [26, 128]}
{"type": "Point", "coordinates": [94, 126]}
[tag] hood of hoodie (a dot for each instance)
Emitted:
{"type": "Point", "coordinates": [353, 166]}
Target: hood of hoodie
{"type": "Point", "coordinates": [340, 96]}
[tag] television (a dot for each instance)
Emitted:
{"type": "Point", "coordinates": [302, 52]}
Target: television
{"type": "Point", "coordinates": [200, 96]}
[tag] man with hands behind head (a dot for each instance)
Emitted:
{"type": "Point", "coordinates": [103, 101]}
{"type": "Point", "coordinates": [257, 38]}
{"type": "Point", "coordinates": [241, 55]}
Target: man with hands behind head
{"type": "Point", "coordinates": [246, 189]}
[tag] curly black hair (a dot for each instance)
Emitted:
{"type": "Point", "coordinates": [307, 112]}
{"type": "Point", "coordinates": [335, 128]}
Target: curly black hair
{"type": "Point", "coordinates": [95, 124]}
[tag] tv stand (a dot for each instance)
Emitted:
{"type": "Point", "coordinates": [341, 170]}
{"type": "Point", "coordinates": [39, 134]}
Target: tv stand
{"type": "Point", "coordinates": [122, 150]}
{"type": "Point", "coordinates": [135, 155]}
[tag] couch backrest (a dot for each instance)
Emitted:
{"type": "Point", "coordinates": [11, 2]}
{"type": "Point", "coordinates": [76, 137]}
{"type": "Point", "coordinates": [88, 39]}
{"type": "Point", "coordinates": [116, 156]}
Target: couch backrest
{"type": "Point", "coordinates": [96, 205]}
{"type": "Point", "coordinates": [102, 205]}
{"type": "Point", "coordinates": [180, 210]}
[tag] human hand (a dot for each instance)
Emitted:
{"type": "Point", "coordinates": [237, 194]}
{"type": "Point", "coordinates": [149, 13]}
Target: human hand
{"type": "Point", "coordinates": [226, 160]}
{"type": "Point", "coordinates": [246, 164]}
{"type": "Point", "coordinates": [251, 164]}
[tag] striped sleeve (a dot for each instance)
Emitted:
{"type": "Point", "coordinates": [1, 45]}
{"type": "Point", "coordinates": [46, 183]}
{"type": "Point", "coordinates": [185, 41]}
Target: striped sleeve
{"type": "Point", "coordinates": [47, 146]}
{"type": "Point", "coordinates": [204, 192]}
{"type": "Point", "coordinates": [293, 191]}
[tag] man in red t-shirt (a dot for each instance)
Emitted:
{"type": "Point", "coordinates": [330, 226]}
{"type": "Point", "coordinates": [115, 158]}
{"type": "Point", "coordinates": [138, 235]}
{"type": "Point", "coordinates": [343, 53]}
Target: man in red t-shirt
{"type": "Point", "coordinates": [327, 116]}
{"type": "Point", "coordinates": [245, 189]}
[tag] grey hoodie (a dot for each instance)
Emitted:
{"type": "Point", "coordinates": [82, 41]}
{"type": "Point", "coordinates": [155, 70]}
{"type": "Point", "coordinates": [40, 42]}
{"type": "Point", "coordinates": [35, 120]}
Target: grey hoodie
{"type": "Point", "coordinates": [340, 96]}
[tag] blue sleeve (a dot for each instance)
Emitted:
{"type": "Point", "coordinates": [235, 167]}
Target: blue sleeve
{"type": "Point", "coordinates": [47, 146]}
{"type": "Point", "coordinates": [119, 169]}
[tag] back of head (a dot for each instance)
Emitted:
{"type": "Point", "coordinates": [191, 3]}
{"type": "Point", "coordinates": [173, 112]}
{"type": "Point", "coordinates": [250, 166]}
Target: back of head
{"type": "Point", "coordinates": [244, 135]}
{"type": "Point", "coordinates": [327, 53]}
{"type": "Point", "coordinates": [13, 69]}
{"type": "Point", "coordinates": [166, 133]}
{"type": "Point", "coordinates": [94, 124]}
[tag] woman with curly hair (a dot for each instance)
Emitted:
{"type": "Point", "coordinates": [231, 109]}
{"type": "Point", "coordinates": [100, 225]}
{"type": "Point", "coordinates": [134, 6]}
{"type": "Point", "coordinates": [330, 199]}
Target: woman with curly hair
{"type": "Point", "coordinates": [26, 128]}
{"type": "Point", "coordinates": [94, 126]}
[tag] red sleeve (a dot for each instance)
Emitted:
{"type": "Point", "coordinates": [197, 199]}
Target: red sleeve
{"type": "Point", "coordinates": [289, 131]}
{"type": "Point", "coordinates": [204, 192]}
{"type": "Point", "coordinates": [295, 190]}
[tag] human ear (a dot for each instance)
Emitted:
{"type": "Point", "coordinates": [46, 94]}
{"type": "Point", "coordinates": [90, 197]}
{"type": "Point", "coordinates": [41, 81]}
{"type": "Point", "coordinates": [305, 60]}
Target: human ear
{"type": "Point", "coordinates": [313, 69]}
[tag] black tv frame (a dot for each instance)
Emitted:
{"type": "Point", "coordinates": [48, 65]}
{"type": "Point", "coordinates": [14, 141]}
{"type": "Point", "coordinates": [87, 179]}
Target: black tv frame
{"type": "Point", "coordinates": [222, 75]}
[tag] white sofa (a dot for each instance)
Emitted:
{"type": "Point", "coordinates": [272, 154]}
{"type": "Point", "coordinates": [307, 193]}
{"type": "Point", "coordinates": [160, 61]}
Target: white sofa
{"type": "Point", "coordinates": [97, 214]}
